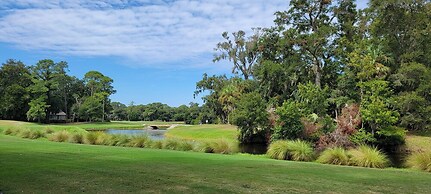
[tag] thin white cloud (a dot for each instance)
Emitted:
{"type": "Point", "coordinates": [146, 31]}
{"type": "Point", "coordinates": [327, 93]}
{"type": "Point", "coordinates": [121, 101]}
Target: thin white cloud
{"type": "Point", "coordinates": [157, 32]}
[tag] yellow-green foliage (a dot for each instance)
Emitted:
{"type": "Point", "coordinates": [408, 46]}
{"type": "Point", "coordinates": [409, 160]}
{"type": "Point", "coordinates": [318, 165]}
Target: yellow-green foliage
{"type": "Point", "coordinates": [76, 138]}
{"type": "Point", "coordinates": [204, 146]}
{"type": "Point", "coordinates": [119, 140]}
{"type": "Point", "coordinates": [300, 150]}
{"type": "Point", "coordinates": [279, 150]}
{"type": "Point", "coordinates": [177, 144]}
{"type": "Point", "coordinates": [156, 144]}
{"type": "Point", "coordinates": [297, 150]}
{"type": "Point", "coordinates": [420, 161]}
{"type": "Point", "coordinates": [91, 138]}
{"type": "Point", "coordinates": [12, 131]}
{"type": "Point", "coordinates": [366, 156]}
{"type": "Point", "coordinates": [338, 156]}
{"type": "Point", "coordinates": [59, 136]}
{"type": "Point", "coordinates": [139, 141]}
{"type": "Point", "coordinates": [223, 146]}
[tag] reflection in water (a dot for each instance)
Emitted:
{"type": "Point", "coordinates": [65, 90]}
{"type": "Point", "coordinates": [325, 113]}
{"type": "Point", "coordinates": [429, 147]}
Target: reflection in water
{"type": "Point", "coordinates": [153, 134]}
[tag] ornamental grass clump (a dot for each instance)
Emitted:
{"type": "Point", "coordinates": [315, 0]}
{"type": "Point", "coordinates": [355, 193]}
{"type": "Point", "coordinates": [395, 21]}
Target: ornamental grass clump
{"type": "Point", "coordinates": [337, 156]}
{"type": "Point", "coordinates": [119, 140]}
{"type": "Point", "coordinates": [12, 131]}
{"type": "Point", "coordinates": [76, 138]}
{"type": "Point", "coordinates": [171, 144]}
{"type": "Point", "coordinates": [420, 161]}
{"type": "Point", "coordinates": [223, 146]}
{"type": "Point", "coordinates": [156, 144]}
{"type": "Point", "coordinates": [91, 138]}
{"type": "Point", "coordinates": [366, 156]}
{"type": "Point", "coordinates": [278, 150]}
{"type": "Point", "coordinates": [204, 146]}
{"type": "Point", "coordinates": [139, 141]}
{"type": "Point", "coordinates": [300, 150]}
{"type": "Point", "coordinates": [59, 136]}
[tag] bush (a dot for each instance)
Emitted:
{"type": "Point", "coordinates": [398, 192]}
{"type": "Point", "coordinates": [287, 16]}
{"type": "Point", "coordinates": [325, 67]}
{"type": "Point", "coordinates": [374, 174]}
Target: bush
{"type": "Point", "coordinates": [420, 161]}
{"type": "Point", "coordinates": [139, 141]}
{"type": "Point", "coordinates": [288, 124]}
{"type": "Point", "coordinates": [279, 150]}
{"type": "Point", "coordinates": [337, 156]}
{"type": "Point", "coordinates": [59, 136]}
{"type": "Point", "coordinates": [300, 150]}
{"type": "Point", "coordinates": [366, 156]}
{"type": "Point", "coordinates": [76, 138]}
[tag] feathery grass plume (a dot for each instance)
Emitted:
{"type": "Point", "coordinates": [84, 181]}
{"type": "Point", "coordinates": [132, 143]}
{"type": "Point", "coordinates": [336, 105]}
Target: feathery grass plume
{"type": "Point", "coordinates": [366, 156]}
{"type": "Point", "coordinates": [76, 138]}
{"type": "Point", "coordinates": [139, 141]}
{"type": "Point", "coordinates": [279, 150]}
{"type": "Point", "coordinates": [204, 146]}
{"type": "Point", "coordinates": [59, 136]}
{"type": "Point", "coordinates": [223, 146]}
{"type": "Point", "coordinates": [420, 161]}
{"type": "Point", "coordinates": [300, 150]}
{"type": "Point", "coordinates": [338, 156]}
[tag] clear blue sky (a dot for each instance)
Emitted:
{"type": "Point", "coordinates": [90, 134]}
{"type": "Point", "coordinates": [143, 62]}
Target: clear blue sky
{"type": "Point", "coordinates": [155, 50]}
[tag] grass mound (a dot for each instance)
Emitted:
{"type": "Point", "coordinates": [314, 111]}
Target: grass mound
{"type": "Point", "coordinates": [337, 156]}
{"type": "Point", "coordinates": [366, 156]}
{"type": "Point", "coordinates": [420, 161]}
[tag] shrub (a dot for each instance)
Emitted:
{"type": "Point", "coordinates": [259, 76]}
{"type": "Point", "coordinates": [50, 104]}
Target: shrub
{"type": "Point", "coordinates": [278, 150]}
{"type": "Point", "coordinates": [139, 141]}
{"type": "Point", "coordinates": [300, 150]}
{"type": "Point", "coordinates": [420, 161]}
{"type": "Point", "coordinates": [223, 146]}
{"type": "Point", "coordinates": [102, 138]}
{"type": "Point", "coordinates": [366, 156]}
{"type": "Point", "coordinates": [76, 138]}
{"type": "Point", "coordinates": [34, 134]}
{"type": "Point", "coordinates": [185, 145]}
{"type": "Point", "coordinates": [59, 136]}
{"type": "Point", "coordinates": [337, 156]}
{"type": "Point", "coordinates": [288, 124]}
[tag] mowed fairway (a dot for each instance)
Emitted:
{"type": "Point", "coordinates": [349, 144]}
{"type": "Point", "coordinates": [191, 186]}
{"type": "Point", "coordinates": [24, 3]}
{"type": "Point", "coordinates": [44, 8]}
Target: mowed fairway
{"type": "Point", "coordinates": [204, 132]}
{"type": "Point", "coordinates": [38, 166]}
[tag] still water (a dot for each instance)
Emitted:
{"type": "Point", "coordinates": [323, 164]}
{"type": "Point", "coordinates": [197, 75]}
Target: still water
{"type": "Point", "coordinates": [153, 134]}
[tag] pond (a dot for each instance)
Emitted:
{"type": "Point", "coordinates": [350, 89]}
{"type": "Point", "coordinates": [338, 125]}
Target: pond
{"type": "Point", "coordinates": [154, 134]}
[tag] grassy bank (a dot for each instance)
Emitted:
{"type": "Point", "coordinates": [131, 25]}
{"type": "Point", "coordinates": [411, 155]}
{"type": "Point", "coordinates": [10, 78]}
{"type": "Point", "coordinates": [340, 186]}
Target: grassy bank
{"type": "Point", "coordinates": [34, 166]}
{"type": "Point", "coordinates": [204, 132]}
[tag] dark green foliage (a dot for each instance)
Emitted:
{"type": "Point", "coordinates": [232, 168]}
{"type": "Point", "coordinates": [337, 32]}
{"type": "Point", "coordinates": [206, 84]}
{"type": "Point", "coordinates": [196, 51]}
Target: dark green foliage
{"type": "Point", "coordinates": [251, 117]}
{"type": "Point", "coordinates": [288, 124]}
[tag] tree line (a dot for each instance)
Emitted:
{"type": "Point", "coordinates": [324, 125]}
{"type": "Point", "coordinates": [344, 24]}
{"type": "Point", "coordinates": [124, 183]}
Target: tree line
{"type": "Point", "coordinates": [37, 92]}
{"type": "Point", "coordinates": [328, 73]}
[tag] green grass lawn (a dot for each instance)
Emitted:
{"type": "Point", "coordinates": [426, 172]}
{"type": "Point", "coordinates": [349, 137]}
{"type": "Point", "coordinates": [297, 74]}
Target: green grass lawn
{"type": "Point", "coordinates": [83, 126]}
{"type": "Point", "coordinates": [35, 166]}
{"type": "Point", "coordinates": [204, 132]}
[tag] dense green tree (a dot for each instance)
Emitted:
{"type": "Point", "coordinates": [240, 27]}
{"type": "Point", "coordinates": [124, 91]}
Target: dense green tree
{"type": "Point", "coordinates": [46, 76]}
{"type": "Point", "coordinates": [100, 85]}
{"type": "Point", "coordinates": [14, 96]}
{"type": "Point", "coordinates": [288, 124]}
{"type": "Point", "coordinates": [37, 109]}
{"type": "Point", "coordinates": [251, 117]}
{"type": "Point", "coordinates": [240, 50]}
